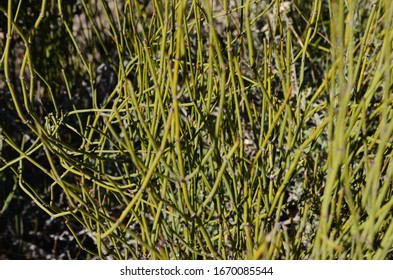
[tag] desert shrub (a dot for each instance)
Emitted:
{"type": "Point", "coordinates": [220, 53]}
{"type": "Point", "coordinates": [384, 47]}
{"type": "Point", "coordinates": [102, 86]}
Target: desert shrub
{"type": "Point", "coordinates": [197, 129]}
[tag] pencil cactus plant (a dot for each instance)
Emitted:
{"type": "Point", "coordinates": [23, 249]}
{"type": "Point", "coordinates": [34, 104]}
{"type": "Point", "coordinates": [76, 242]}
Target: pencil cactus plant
{"type": "Point", "coordinates": [197, 129]}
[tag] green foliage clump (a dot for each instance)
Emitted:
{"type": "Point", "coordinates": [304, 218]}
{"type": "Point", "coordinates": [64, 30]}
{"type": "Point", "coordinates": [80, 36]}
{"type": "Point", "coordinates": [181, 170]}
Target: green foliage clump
{"type": "Point", "coordinates": [198, 129]}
